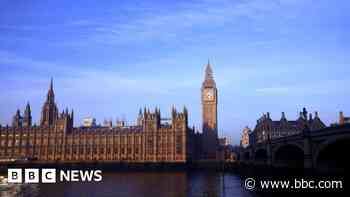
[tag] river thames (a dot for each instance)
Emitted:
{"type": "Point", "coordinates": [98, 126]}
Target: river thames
{"type": "Point", "coordinates": [154, 184]}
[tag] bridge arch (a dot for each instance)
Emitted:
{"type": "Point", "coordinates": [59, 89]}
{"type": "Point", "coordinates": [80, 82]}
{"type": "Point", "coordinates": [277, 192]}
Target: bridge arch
{"type": "Point", "coordinates": [288, 155]}
{"type": "Point", "coordinates": [261, 155]}
{"type": "Point", "coordinates": [330, 154]}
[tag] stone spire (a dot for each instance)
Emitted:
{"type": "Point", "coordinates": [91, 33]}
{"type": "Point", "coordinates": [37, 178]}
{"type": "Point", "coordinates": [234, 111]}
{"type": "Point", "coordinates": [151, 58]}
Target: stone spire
{"type": "Point", "coordinates": [27, 110]}
{"type": "Point", "coordinates": [209, 77]}
{"type": "Point", "coordinates": [173, 111]}
{"type": "Point", "coordinates": [49, 111]}
{"type": "Point", "coordinates": [27, 119]}
{"type": "Point", "coordinates": [208, 72]}
{"type": "Point", "coordinates": [185, 110]}
{"type": "Point", "coordinates": [185, 113]}
{"type": "Point", "coordinates": [51, 84]}
{"type": "Point", "coordinates": [140, 117]}
{"type": "Point", "coordinates": [283, 116]}
{"type": "Point", "coordinates": [140, 112]}
{"type": "Point", "coordinates": [316, 115]}
{"type": "Point", "coordinates": [50, 93]}
{"type": "Point", "coordinates": [317, 122]}
{"type": "Point", "coordinates": [310, 116]}
{"type": "Point", "coordinates": [17, 119]}
{"type": "Point", "coordinates": [304, 113]}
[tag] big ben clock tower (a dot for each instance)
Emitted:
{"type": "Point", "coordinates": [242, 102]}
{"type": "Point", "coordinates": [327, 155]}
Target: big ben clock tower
{"type": "Point", "coordinates": [209, 114]}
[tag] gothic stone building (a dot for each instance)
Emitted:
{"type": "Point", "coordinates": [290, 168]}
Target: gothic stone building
{"type": "Point", "coordinates": [266, 128]}
{"type": "Point", "coordinates": [56, 140]}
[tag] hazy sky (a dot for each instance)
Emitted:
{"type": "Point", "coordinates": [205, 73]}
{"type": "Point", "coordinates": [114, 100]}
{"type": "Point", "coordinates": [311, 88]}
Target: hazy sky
{"type": "Point", "coordinates": [110, 58]}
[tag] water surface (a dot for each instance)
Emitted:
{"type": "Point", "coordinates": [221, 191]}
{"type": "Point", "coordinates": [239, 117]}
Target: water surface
{"type": "Point", "coordinates": [144, 184]}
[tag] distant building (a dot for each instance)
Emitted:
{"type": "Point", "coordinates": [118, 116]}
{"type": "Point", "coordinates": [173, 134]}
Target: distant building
{"type": "Point", "coordinates": [245, 137]}
{"type": "Point", "coordinates": [343, 120]}
{"type": "Point", "coordinates": [223, 141]}
{"type": "Point", "coordinates": [266, 128]}
{"type": "Point", "coordinates": [89, 122]}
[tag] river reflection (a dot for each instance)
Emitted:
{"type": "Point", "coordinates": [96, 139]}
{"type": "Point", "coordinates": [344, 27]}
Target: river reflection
{"type": "Point", "coordinates": [153, 184]}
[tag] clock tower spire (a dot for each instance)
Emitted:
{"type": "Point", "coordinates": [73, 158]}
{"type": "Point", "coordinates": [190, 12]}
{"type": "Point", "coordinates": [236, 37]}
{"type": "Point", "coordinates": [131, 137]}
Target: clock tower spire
{"type": "Point", "coordinates": [209, 114]}
{"type": "Point", "coordinates": [209, 78]}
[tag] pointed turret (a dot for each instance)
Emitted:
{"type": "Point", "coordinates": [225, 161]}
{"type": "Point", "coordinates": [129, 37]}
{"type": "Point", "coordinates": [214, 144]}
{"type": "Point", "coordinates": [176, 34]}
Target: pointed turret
{"type": "Point", "coordinates": [301, 121]}
{"type": "Point", "coordinates": [301, 115]}
{"type": "Point", "coordinates": [173, 111]}
{"type": "Point", "coordinates": [283, 116]}
{"type": "Point", "coordinates": [27, 110]}
{"type": "Point", "coordinates": [27, 119]}
{"type": "Point", "coordinates": [49, 112]}
{"type": "Point", "coordinates": [17, 119]}
{"type": "Point", "coordinates": [139, 118]}
{"type": "Point", "coordinates": [50, 93]}
{"type": "Point", "coordinates": [284, 124]}
{"type": "Point", "coordinates": [310, 117]}
{"type": "Point", "coordinates": [317, 123]}
{"type": "Point", "coordinates": [185, 111]}
{"type": "Point", "coordinates": [140, 112]}
{"type": "Point", "coordinates": [158, 112]}
{"type": "Point", "coordinates": [316, 115]}
{"type": "Point", "coordinates": [268, 115]}
{"type": "Point", "coordinates": [208, 78]}
{"type": "Point", "coordinates": [304, 113]}
{"type": "Point", "coordinates": [51, 84]}
{"type": "Point", "coordinates": [208, 71]}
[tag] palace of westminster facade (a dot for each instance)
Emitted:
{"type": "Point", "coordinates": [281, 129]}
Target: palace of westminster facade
{"type": "Point", "coordinates": [150, 140]}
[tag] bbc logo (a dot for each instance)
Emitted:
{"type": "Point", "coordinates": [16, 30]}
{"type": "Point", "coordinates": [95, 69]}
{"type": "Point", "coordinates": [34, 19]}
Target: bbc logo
{"type": "Point", "coordinates": [48, 175]}
{"type": "Point", "coordinates": [31, 175]}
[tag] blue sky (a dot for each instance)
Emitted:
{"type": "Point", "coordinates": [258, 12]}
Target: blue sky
{"type": "Point", "coordinates": [110, 58]}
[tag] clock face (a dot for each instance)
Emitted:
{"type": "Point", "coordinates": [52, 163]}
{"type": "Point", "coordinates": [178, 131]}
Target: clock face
{"type": "Point", "coordinates": [209, 94]}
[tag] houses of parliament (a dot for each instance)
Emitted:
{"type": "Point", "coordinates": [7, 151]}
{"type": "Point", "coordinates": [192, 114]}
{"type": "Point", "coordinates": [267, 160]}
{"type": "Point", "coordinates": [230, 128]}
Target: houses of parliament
{"type": "Point", "coordinates": [152, 139]}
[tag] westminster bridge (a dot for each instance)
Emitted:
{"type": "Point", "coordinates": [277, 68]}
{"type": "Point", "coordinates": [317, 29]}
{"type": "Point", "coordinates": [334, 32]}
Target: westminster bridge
{"type": "Point", "coordinates": [321, 150]}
